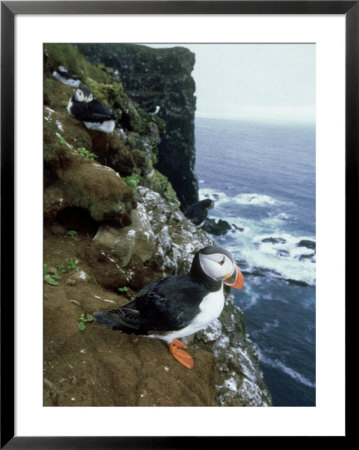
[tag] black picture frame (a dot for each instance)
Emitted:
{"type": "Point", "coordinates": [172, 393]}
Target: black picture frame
{"type": "Point", "coordinates": [9, 9]}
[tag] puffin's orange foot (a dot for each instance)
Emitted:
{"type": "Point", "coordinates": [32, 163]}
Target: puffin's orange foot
{"type": "Point", "coordinates": [176, 349]}
{"type": "Point", "coordinates": [179, 344]}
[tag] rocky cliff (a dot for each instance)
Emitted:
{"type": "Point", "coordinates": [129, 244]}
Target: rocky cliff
{"type": "Point", "coordinates": [112, 224]}
{"type": "Point", "coordinates": [160, 77]}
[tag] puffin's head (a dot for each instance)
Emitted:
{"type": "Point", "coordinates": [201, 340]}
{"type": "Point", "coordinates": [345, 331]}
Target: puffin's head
{"type": "Point", "coordinates": [219, 265]}
{"type": "Point", "coordinates": [207, 204]}
{"type": "Point", "coordinates": [83, 94]}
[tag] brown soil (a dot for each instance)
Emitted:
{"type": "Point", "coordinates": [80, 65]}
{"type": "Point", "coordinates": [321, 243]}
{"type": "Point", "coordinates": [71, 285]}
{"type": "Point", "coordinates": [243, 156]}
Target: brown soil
{"type": "Point", "coordinates": [99, 366]}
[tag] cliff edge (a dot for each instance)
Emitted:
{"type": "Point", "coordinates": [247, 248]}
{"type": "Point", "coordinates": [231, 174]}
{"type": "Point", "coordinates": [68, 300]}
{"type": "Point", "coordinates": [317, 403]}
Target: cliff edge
{"type": "Point", "coordinates": [160, 77]}
{"type": "Point", "coordinates": [112, 224]}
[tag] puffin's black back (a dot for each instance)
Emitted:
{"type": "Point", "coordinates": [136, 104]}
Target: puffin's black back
{"type": "Point", "coordinates": [94, 111]}
{"type": "Point", "coordinates": [100, 111]}
{"type": "Point", "coordinates": [164, 305]}
{"type": "Point", "coordinates": [67, 75]}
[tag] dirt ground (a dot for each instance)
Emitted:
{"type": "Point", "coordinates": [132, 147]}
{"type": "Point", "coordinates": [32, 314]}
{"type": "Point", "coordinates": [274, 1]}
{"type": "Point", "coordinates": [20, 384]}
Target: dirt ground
{"type": "Point", "coordinates": [99, 366]}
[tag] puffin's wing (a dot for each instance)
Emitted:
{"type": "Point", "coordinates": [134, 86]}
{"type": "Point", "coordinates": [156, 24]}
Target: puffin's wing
{"type": "Point", "coordinates": [67, 75]}
{"type": "Point", "coordinates": [79, 109]}
{"type": "Point", "coordinates": [90, 112]}
{"type": "Point", "coordinates": [171, 303]}
{"type": "Point", "coordinates": [126, 319]}
{"type": "Point", "coordinates": [98, 112]}
{"type": "Point", "coordinates": [164, 305]}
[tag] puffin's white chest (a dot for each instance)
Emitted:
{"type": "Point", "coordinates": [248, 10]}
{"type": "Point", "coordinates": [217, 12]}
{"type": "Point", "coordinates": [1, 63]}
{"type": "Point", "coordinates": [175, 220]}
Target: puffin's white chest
{"type": "Point", "coordinates": [69, 82]}
{"type": "Point", "coordinates": [106, 127]}
{"type": "Point", "coordinates": [210, 309]}
{"type": "Point", "coordinates": [69, 106]}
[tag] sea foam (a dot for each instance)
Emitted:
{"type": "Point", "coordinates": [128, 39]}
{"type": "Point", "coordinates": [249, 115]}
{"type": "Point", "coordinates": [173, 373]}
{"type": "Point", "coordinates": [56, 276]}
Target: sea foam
{"type": "Point", "coordinates": [264, 243]}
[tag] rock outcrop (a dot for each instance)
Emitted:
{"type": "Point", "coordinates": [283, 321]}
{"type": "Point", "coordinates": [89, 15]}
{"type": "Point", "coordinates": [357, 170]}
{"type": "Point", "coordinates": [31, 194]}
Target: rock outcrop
{"type": "Point", "coordinates": [218, 228]}
{"type": "Point", "coordinates": [160, 77]}
{"type": "Point", "coordinates": [113, 225]}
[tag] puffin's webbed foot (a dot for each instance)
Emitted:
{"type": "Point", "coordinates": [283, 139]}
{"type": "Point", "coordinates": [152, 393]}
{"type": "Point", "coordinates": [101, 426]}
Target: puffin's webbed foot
{"type": "Point", "coordinates": [176, 348]}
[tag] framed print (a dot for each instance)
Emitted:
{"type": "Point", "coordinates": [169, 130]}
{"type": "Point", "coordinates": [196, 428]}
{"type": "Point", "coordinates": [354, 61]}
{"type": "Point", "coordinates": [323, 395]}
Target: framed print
{"type": "Point", "coordinates": [154, 156]}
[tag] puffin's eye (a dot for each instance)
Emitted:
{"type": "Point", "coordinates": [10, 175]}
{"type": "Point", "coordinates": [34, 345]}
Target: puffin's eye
{"type": "Point", "coordinates": [221, 262]}
{"type": "Point", "coordinates": [79, 94]}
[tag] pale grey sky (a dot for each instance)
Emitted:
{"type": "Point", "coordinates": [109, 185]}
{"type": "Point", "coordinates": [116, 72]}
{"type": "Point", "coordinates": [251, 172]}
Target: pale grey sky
{"type": "Point", "coordinates": [267, 82]}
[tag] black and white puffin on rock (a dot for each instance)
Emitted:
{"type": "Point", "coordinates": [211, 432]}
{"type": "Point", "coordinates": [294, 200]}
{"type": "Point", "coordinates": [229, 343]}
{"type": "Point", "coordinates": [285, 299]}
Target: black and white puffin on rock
{"type": "Point", "coordinates": [63, 75]}
{"type": "Point", "coordinates": [93, 113]}
{"type": "Point", "coordinates": [178, 306]}
{"type": "Point", "coordinates": [198, 212]}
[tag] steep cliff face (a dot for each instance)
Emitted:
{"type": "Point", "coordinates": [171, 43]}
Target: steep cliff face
{"type": "Point", "coordinates": [160, 77]}
{"type": "Point", "coordinates": [112, 225]}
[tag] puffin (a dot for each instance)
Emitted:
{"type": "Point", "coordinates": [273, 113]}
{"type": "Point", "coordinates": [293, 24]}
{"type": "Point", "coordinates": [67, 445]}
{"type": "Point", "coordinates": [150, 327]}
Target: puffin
{"type": "Point", "coordinates": [154, 111]}
{"type": "Point", "coordinates": [178, 306]}
{"type": "Point", "coordinates": [63, 75]}
{"type": "Point", "coordinates": [93, 113]}
{"type": "Point", "coordinates": [197, 212]}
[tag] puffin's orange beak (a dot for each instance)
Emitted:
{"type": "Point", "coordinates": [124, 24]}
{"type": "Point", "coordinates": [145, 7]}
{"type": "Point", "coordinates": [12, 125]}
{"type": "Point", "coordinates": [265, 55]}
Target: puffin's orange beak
{"type": "Point", "coordinates": [236, 279]}
{"type": "Point", "coordinates": [86, 100]}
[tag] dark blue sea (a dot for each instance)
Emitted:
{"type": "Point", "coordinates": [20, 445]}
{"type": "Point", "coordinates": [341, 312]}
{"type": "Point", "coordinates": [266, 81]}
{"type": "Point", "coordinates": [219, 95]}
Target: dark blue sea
{"type": "Point", "coordinates": [262, 178]}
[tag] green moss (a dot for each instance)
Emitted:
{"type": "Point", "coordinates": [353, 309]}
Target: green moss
{"type": "Point", "coordinates": [132, 181]}
{"type": "Point", "coordinates": [84, 152]}
{"type": "Point", "coordinates": [56, 95]}
{"type": "Point", "coordinates": [106, 92]}
{"type": "Point", "coordinates": [69, 56]}
{"type": "Point", "coordinates": [161, 185]}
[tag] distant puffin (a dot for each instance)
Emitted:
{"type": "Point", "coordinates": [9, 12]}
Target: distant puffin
{"type": "Point", "coordinates": [179, 306]}
{"type": "Point", "coordinates": [154, 111]}
{"type": "Point", "coordinates": [93, 113]}
{"type": "Point", "coordinates": [197, 212]}
{"type": "Point", "coordinates": [63, 75]}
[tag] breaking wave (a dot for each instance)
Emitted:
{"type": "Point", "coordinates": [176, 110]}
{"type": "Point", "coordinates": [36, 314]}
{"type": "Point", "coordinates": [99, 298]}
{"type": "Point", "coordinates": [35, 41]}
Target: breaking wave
{"type": "Point", "coordinates": [267, 243]}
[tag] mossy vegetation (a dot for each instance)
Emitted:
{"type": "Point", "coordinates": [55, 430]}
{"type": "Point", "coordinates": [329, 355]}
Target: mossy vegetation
{"type": "Point", "coordinates": [66, 138]}
{"type": "Point", "coordinates": [51, 278]}
{"type": "Point", "coordinates": [161, 185]}
{"type": "Point", "coordinates": [132, 181]}
{"type": "Point", "coordinates": [69, 56]}
{"type": "Point", "coordinates": [83, 320]}
{"type": "Point", "coordinates": [106, 92]}
{"type": "Point", "coordinates": [84, 152]}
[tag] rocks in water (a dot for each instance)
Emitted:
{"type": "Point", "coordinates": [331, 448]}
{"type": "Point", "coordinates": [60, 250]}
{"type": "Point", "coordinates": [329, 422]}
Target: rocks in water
{"type": "Point", "coordinates": [283, 252]}
{"type": "Point", "coordinates": [307, 243]}
{"type": "Point", "coordinates": [274, 240]}
{"type": "Point", "coordinates": [306, 257]}
{"type": "Point", "coordinates": [218, 228]}
{"type": "Point", "coordinates": [236, 227]}
{"type": "Point", "coordinates": [311, 245]}
{"type": "Point", "coordinates": [297, 282]}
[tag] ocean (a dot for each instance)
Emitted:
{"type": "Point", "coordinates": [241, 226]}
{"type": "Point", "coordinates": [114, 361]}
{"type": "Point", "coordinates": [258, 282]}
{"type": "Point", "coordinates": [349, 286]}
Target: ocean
{"type": "Point", "coordinates": [262, 179]}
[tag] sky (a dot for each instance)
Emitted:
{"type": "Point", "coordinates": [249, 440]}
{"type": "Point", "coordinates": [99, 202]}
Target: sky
{"type": "Point", "coordinates": [265, 82]}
